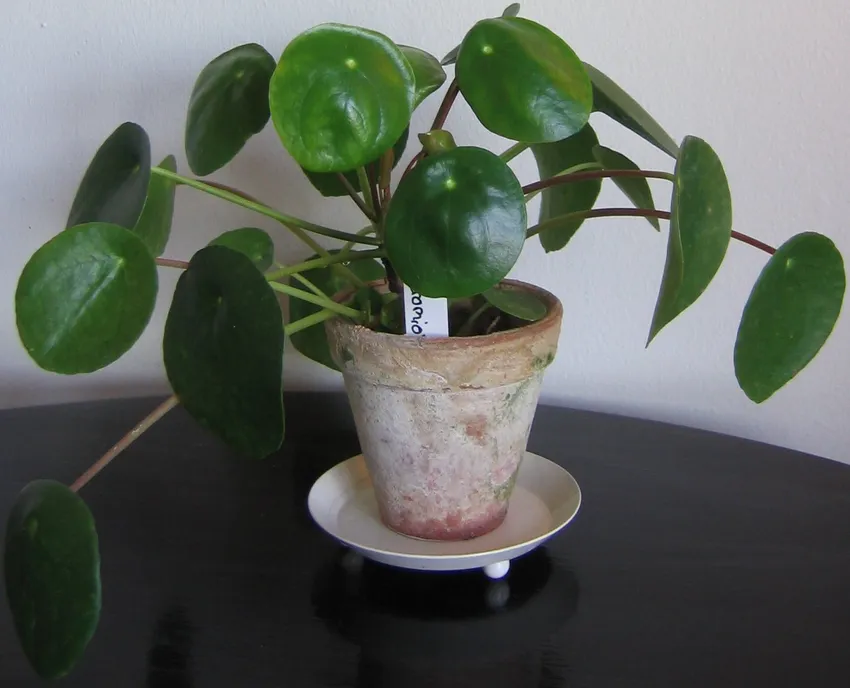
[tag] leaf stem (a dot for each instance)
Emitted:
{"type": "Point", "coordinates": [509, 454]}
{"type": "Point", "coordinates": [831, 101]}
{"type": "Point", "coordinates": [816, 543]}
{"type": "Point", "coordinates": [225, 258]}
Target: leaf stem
{"type": "Point", "coordinates": [466, 328]}
{"type": "Point", "coordinates": [597, 212]}
{"type": "Point", "coordinates": [514, 151]}
{"type": "Point", "coordinates": [745, 239]}
{"type": "Point", "coordinates": [316, 300]}
{"type": "Point", "coordinates": [171, 263]}
{"type": "Point", "coordinates": [307, 283]}
{"type": "Point", "coordinates": [124, 442]}
{"type": "Point", "coordinates": [571, 170]}
{"type": "Point", "coordinates": [333, 259]}
{"type": "Point", "coordinates": [593, 174]}
{"type": "Point", "coordinates": [352, 192]}
{"type": "Point", "coordinates": [446, 105]}
{"type": "Point", "coordinates": [309, 321]}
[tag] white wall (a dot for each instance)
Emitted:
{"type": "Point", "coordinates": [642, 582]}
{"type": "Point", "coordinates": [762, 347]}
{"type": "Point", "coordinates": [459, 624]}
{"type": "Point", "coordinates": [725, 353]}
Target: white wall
{"type": "Point", "coordinates": [764, 81]}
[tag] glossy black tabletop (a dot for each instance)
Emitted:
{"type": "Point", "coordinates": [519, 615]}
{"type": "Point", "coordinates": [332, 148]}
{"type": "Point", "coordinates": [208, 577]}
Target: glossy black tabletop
{"type": "Point", "coordinates": [696, 560]}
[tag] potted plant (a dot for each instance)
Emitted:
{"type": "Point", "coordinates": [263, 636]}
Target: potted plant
{"type": "Point", "coordinates": [442, 421]}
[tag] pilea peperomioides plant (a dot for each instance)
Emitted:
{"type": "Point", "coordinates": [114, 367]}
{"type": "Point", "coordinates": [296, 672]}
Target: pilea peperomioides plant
{"type": "Point", "coordinates": [453, 226]}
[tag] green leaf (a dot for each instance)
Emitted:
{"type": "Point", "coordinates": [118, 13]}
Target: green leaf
{"type": "Point", "coordinates": [115, 184]}
{"type": "Point", "coordinates": [511, 10]}
{"type": "Point", "coordinates": [522, 81]}
{"type": "Point", "coordinates": [437, 141]}
{"type": "Point", "coordinates": [229, 104]}
{"type": "Point", "coordinates": [313, 342]}
{"type": "Point", "coordinates": [520, 304]}
{"type": "Point", "coordinates": [52, 572]}
{"type": "Point", "coordinates": [250, 241]}
{"type": "Point", "coordinates": [790, 314]}
{"type": "Point", "coordinates": [611, 100]}
{"type": "Point", "coordinates": [340, 97]}
{"type": "Point", "coordinates": [154, 225]}
{"type": "Point", "coordinates": [700, 230]}
{"type": "Point", "coordinates": [637, 189]}
{"type": "Point", "coordinates": [456, 224]}
{"type": "Point", "coordinates": [85, 297]}
{"type": "Point", "coordinates": [428, 74]}
{"type": "Point", "coordinates": [223, 350]}
{"type": "Point", "coordinates": [552, 160]}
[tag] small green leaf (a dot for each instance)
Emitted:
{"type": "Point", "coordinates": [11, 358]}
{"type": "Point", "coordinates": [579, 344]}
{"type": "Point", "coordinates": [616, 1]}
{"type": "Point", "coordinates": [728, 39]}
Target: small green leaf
{"type": "Point", "coordinates": [456, 224]}
{"type": "Point", "coordinates": [223, 350]}
{"type": "Point", "coordinates": [52, 572]}
{"type": "Point", "coordinates": [250, 241]}
{"type": "Point", "coordinates": [552, 160]}
{"type": "Point", "coordinates": [154, 225]}
{"type": "Point", "coordinates": [341, 96]}
{"type": "Point", "coordinates": [790, 314]}
{"type": "Point", "coordinates": [637, 189]}
{"type": "Point", "coordinates": [700, 230]}
{"type": "Point", "coordinates": [313, 342]}
{"type": "Point", "coordinates": [522, 81]}
{"type": "Point", "coordinates": [229, 104]}
{"type": "Point", "coordinates": [511, 10]}
{"type": "Point", "coordinates": [428, 74]}
{"type": "Point", "coordinates": [115, 184]}
{"type": "Point", "coordinates": [85, 297]}
{"type": "Point", "coordinates": [437, 141]}
{"type": "Point", "coordinates": [520, 304]}
{"type": "Point", "coordinates": [611, 100]}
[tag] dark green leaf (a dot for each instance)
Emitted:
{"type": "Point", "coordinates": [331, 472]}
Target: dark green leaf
{"type": "Point", "coordinates": [313, 342]}
{"type": "Point", "coordinates": [229, 104]}
{"type": "Point", "coordinates": [115, 184]}
{"type": "Point", "coordinates": [84, 298]}
{"type": "Point", "coordinates": [52, 570]}
{"type": "Point", "coordinates": [552, 160]}
{"type": "Point", "coordinates": [252, 242]}
{"type": "Point", "coordinates": [520, 304]}
{"type": "Point", "coordinates": [636, 188]}
{"type": "Point", "coordinates": [522, 81]}
{"type": "Point", "coordinates": [223, 350]}
{"type": "Point", "coordinates": [790, 314]}
{"type": "Point", "coordinates": [700, 230]}
{"type": "Point", "coordinates": [611, 100]}
{"type": "Point", "coordinates": [456, 224]}
{"type": "Point", "coordinates": [427, 72]}
{"type": "Point", "coordinates": [340, 97]}
{"type": "Point", "coordinates": [154, 225]}
{"type": "Point", "coordinates": [511, 10]}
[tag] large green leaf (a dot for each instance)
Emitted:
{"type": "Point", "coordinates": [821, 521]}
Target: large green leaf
{"type": "Point", "coordinates": [611, 100]}
{"type": "Point", "coordinates": [84, 298]}
{"type": "Point", "coordinates": [223, 350]}
{"type": "Point", "coordinates": [154, 225]}
{"type": "Point", "coordinates": [313, 341]}
{"type": "Point", "coordinates": [700, 230]}
{"type": "Point", "coordinates": [522, 81]}
{"type": "Point", "coordinates": [229, 104]}
{"type": "Point", "coordinates": [553, 159]}
{"type": "Point", "coordinates": [637, 189]}
{"type": "Point", "coordinates": [115, 184]}
{"type": "Point", "coordinates": [340, 97]}
{"type": "Point", "coordinates": [252, 242]}
{"type": "Point", "coordinates": [520, 304]}
{"type": "Point", "coordinates": [511, 10]}
{"type": "Point", "coordinates": [456, 224]}
{"type": "Point", "coordinates": [52, 572]}
{"type": "Point", "coordinates": [790, 314]}
{"type": "Point", "coordinates": [427, 72]}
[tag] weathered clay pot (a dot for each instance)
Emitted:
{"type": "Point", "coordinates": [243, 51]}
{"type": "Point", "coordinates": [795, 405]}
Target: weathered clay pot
{"type": "Point", "coordinates": [443, 422]}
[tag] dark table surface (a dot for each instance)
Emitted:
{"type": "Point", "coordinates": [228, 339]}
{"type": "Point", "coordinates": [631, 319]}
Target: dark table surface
{"type": "Point", "coordinates": [696, 560]}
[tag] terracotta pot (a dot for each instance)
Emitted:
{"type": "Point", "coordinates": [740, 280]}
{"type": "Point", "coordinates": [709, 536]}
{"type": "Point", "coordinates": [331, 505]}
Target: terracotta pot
{"type": "Point", "coordinates": [443, 422]}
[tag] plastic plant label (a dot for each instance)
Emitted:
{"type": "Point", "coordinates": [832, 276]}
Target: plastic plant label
{"type": "Point", "coordinates": [424, 316]}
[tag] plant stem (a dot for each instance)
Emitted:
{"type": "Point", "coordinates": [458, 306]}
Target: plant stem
{"type": "Point", "coordinates": [598, 212]}
{"type": "Point", "coordinates": [352, 192]}
{"type": "Point", "coordinates": [514, 151]}
{"type": "Point", "coordinates": [415, 161]}
{"type": "Point", "coordinates": [385, 175]}
{"type": "Point", "coordinates": [309, 321]}
{"type": "Point", "coordinates": [594, 174]}
{"type": "Point", "coordinates": [365, 188]}
{"type": "Point", "coordinates": [376, 201]}
{"type": "Point", "coordinates": [124, 442]}
{"type": "Point", "coordinates": [466, 328]}
{"type": "Point", "coordinates": [262, 209]}
{"type": "Point", "coordinates": [745, 239]}
{"type": "Point", "coordinates": [316, 300]}
{"type": "Point", "coordinates": [572, 170]}
{"type": "Point", "coordinates": [344, 256]}
{"type": "Point", "coordinates": [171, 263]}
{"type": "Point", "coordinates": [307, 283]}
{"type": "Point", "coordinates": [446, 105]}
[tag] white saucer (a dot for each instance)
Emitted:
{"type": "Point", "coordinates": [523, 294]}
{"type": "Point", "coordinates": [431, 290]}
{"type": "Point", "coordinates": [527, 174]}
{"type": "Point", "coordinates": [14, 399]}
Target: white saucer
{"type": "Point", "coordinates": [545, 500]}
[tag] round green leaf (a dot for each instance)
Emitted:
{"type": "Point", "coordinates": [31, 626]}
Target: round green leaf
{"type": "Point", "coordinates": [340, 97]}
{"type": "Point", "coordinates": [520, 304]}
{"type": "Point", "coordinates": [223, 350]}
{"type": "Point", "coordinates": [552, 159]}
{"type": "Point", "coordinates": [522, 81]}
{"type": "Point", "coordinates": [52, 572]}
{"type": "Point", "coordinates": [229, 104]}
{"type": "Point", "coordinates": [115, 184]}
{"type": "Point", "coordinates": [456, 224]}
{"type": "Point", "coordinates": [636, 189]}
{"type": "Point", "coordinates": [511, 10]}
{"type": "Point", "coordinates": [700, 230]}
{"type": "Point", "coordinates": [437, 141]}
{"type": "Point", "coordinates": [428, 74]}
{"type": "Point", "coordinates": [790, 314]}
{"type": "Point", "coordinates": [84, 298]}
{"type": "Point", "coordinates": [154, 225]}
{"type": "Point", "coordinates": [313, 342]}
{"type": "Point", "coordinates": [250, 241]}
